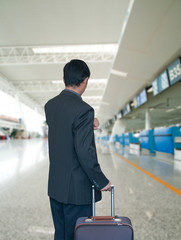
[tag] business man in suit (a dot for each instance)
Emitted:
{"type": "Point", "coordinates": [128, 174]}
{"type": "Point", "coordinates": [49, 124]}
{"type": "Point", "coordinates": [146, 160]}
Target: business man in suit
{"type": "Point", "coordinates": [74, 167]}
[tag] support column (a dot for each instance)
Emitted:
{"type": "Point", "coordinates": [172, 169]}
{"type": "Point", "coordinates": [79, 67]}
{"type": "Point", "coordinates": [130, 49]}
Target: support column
{"type": "Point", "coordinates": [147, 119]}
{"type": "Point", "coordinates": [22, 119]}
{"type": "Point", "coordinates": [39, 123]}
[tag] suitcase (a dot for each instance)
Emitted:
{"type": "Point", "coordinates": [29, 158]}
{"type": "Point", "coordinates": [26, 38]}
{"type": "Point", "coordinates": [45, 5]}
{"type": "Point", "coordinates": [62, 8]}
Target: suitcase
{"type": "Point", "coordinates": [103, 227]}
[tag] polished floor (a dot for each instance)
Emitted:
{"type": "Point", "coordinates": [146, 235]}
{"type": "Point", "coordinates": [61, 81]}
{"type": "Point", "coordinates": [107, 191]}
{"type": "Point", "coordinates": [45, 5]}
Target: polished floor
{"type": "Point", "coordinates": [155, 210]}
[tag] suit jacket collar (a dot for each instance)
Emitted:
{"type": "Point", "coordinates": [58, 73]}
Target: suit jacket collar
{"type": "Point", "coordinates": [71, 93]}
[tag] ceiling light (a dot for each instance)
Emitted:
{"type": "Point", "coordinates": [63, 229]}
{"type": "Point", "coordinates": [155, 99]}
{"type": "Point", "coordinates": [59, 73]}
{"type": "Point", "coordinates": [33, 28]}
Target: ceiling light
{"type": "Point", "coordinates": [98, 80]}
{"type": "Point", "coordinates": [177, 118]}
{"type": "Point", "coordinates": [170, 110]}
{"type": "Point", "coordinates": [57, 81]}
{"type": "Point", "coordinates": [126, 19]}
{"type": "Point", "coordinates": [92, 97]}
{"type": "Point", "coordinates": [91, 48]}
{"type": "Point", "coordinates": [119, 73]}
{"type": "Point", "coordinates": [150, 90]}
{"type": "Point", "coordinates": [105, 103]}
{"type": "Point", "coordinates": [170, 120]}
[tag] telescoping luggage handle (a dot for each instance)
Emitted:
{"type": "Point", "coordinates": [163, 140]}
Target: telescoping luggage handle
{"type": "Point", "coordinates": [112, 201]}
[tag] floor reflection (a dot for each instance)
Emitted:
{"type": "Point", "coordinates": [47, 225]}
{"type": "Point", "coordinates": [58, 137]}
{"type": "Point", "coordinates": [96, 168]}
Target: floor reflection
{"type": "Point", "coordinates": [19, 156]}
{"type": "Point", "coordinates": [169, 171]}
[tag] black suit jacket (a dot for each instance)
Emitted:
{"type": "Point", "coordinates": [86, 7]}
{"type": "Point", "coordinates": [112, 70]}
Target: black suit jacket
{"type": "Point", "coordinates": [73, 160]}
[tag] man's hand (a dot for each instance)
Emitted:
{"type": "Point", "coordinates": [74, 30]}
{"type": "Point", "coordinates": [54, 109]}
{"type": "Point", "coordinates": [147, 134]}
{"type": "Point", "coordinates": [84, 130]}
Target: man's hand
{"type": "Point", "coordinates": [107, 187]}
{"type": "Point", "coordinates": [96, 123]}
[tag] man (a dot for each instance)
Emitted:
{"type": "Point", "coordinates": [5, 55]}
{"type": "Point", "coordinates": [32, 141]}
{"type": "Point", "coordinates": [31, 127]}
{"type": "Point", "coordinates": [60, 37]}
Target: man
{"type": "Point", "coordinates": [73, 161]}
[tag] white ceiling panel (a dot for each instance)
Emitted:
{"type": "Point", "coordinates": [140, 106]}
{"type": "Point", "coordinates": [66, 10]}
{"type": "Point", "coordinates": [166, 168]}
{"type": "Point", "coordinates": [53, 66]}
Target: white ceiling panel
{"type": "Point", "coordinates": [35, 72]}
{"type": "Point", "coordinates": [150, 43]}
{"type": "Point", "coordinates": [117, 97]}
{"type": "Point", "coordinates": [45, 22]}
{"type": "Point", "coordinates": [50, 71]}
{"type": "Point", "coordinates": [144, 23]}
{"type": "Point", "coordinates": [24, 24]}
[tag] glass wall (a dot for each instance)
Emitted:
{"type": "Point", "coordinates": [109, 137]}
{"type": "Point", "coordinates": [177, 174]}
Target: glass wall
{"type": "Point", "coordinates": [11, 107]}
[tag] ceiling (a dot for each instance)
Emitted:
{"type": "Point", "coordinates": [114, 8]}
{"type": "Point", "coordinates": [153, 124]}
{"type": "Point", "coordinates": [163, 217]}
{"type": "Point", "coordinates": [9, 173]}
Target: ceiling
{"type": "Point", "coordinates": [28, 24]}
{"type": "Point", "coordinates": [149, 45]}
{"type": "Point", "coordinates": [147, 34]}
{"type": "Point", "coordinates": [60, 22]}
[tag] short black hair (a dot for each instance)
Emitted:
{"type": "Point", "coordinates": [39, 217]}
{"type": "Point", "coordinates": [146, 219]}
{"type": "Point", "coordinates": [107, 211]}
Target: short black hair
{"type": "Point", "coordinates": [75, 72]}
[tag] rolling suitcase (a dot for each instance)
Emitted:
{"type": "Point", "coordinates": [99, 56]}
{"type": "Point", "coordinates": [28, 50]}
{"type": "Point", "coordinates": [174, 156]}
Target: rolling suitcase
{"type": "Point", "coordinates": [103, 227]}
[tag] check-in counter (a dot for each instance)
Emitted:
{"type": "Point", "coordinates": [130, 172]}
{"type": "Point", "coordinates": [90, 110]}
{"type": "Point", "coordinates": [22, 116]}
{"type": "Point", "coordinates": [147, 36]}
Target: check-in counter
{"type": "Point", "coordinates": [102, 140]}
{"type": "Point", "coordinates": [147, 141]}
{"type": "Point", "coordinates": [105, 148]}
{"type": "Point", "coordinates": [134, 139]}
{"type": "Point", "coordinates": [116, 138]}
{"type": "Point", "coordinates": [130, 139]}
{"type": "Point", "coordinates": [177, 148]}
{"type": "Point", "coordinates": [121, 139]}
{"type": "Point", "coordinates": [105, 144]}
{"type": "Point", "coordinates": [165, 139]}
{"type": "Point", "coordinates": [106, 140]}
{"type": "Point", "coordinates": [117, 141]}
{"type": "Point", "coordinates": [134, 143]}
{"type": "Point", "coordinates": [127, 139]}
{"type": "Point", "coordinates": [98, 140]}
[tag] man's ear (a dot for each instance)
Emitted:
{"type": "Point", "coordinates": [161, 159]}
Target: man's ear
{"type": "Point", "coordinates": [85, 80]}
{"type": "Point", "coordinates": [63, 80]}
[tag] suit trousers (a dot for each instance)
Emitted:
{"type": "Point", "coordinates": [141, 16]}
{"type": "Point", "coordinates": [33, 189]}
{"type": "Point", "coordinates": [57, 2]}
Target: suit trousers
{"type": "Point", "coordinates": [65, 217]}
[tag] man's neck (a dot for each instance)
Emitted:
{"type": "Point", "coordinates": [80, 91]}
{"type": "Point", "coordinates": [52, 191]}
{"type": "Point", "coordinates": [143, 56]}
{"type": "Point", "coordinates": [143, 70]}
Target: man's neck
{"type": "Point", "coordinates": [75, 89]}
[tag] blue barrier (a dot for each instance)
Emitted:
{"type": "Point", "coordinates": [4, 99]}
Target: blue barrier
{"type": "Point", "coordinates": [127, 137]}
{"type": "Point", "coordinates": [134, 139]}
{"type": "Point", "coordinates": [116, 138]}
{"type": "Point", "coordinates": [159, 139]}
{"type": "Point", "coordinates": [104, 140]}
{"type": "Point", "coordinates": [121, 139]}
{"type": "Point", "coordinates": [177, 145]}
{"type": "Point", "coordinates": [147, 140]}
{"type": "Point", "coordinates": [164, 139]}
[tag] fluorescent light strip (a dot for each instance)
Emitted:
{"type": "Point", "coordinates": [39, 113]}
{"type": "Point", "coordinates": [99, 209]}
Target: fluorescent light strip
{"type": "Point", "coordinates": [91, 48]}
{"type": "Point", "coordinates": [99, 80]}
{"type": "Point", "coordinates": [170, 110]}
{"type": "Point", "coordinates": [92, 97]}
{"type": "Point", "coordinates": [150, 90]}
{"type": "Point", "coordinates": [57, 81]}
{"type": "Point", "coordinates": [105, 103]}
{"type": "Point", "coordinates": [126, 20]}
{"type": "Point", "coordinates": [170, 120]}
{"type": "Point", "coordinates": [119, 73]}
